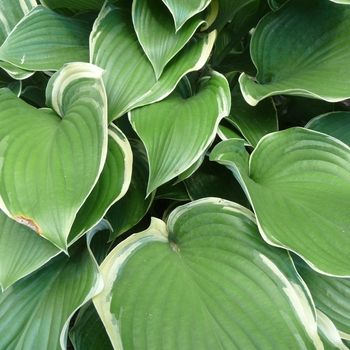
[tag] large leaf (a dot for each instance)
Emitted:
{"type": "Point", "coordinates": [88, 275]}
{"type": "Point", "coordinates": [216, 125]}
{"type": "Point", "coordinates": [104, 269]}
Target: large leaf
{"type": "Point", "coordinates": [187, 10]}
{"type": "Point", "coordinates": [331, 295]}
{"type": "Point", "coordinates": [22, 251]}
{"type": "Point", "coordinates": [336, 124]}
{"type": "Point", "coordinates": [298, 182]}
{"type": "Point", "coordinates": [57, 158]}
{"type": "Point", "coordinates": [182, 128]}
{"type": "Point", "coordinates": [206, 280]}
{"type": "Point", "coordinates": [301, 49]}
{"type": "Point", "coordinates": [156, 32]}
{"type": "Point", "coordinates": [35, 312]}
{"type": "Point", "coordinates": [45, 40]}
{"type": "Point", "coordinates": [116, 49]}
{"type": "Point", "coordinates": [112, 184]}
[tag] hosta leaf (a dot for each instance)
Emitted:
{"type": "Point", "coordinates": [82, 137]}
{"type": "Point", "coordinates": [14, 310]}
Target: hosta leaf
{"type": "Point", "coordinates": [301, 49]}
{"type": "Point", "coordinates": [182, 128]}
{"type": "Point", "coordinates": [75, 4]}
{"type": "Point", "coordinates": [130, 209]}
{"type": "Point", "coordinates": [344, 2]}
{"type": "Point", "coordinates": [331, 295]}
{"type": "Point", "coordinates": [336, 124]}
{"type": "Point", "coordinates": [35, 312]}
{"type": "Point", "coordinates": [88, 332]}
{"type": "Point", "coordinates": [328, 333]}
{"type": "Point", "coordinates": [253, 122]}
{"type": "Point", "coordinates": [117, 50]}
{"type": "Point", "coordinates": [11, 13]}
{"type": "Point", "coordinates": [57, 158]}
{"type": "Point", "coordinates": [156, 32]}
{"type": "Point", "coordinates": [187, 10]}
{"type": "Point", "coordinates": [45, 40]}
{"type": "Point", "coordinates": [205, 281]}
{"type": "Point", "coordinates": [298, 182]}
{"type": "Point", "coordinates": [22, 251]}
{"type": "Point", "coordinates": [112, 184]}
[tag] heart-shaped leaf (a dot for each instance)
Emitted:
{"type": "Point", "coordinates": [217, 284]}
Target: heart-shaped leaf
{"type": "Point", "coordinates": [113, 47]}
{"type": "Point", "coordinates": [298, 182]}
{"type": "Point", "coordinates": [298, 50]}
{"type": "Point", "coordinates": [182, 128]}
{"type": "Point", "coordinates": [43, 303]}
{"type": "Point", "coordinates": [22, 251]}
{"type": "Point", "coordinates": [57, 40]}
{"type": "Point", "coordinates": [156, 32]}
{"type": "Point", "coordinates": [187, 10]}
{"type": "Point", "coordinates": [336, 124]}
{"type": "Point", "coordinates": [112, 184]}
{"type": "Point", "coordinates": [57, 158]}
{"type": "Point", "coordinates": [206, 280]}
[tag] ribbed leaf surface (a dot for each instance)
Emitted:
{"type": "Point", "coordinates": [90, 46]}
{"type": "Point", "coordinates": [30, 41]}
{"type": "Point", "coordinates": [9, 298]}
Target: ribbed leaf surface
{"type": "Point", "coordinates": [301, 49]}
{"type": "Point", "coordinates": [57, 155]}
{"type": "Point", "coordinates": [182, 128]}
{"type": "Point", "coordinates": [45, 40]}
{"type": "Point", "coordinates": [206, 281]}
{"type": "Point", "coordinates": [298, 182]}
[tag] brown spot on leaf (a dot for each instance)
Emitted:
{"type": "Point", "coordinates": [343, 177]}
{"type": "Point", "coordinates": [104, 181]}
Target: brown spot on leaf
{"type": "Point", "coordinates": [28, 222]}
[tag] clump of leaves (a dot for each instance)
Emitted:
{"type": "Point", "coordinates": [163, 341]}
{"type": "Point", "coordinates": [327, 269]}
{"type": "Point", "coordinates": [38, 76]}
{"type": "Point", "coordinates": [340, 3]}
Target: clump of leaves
{"type": "Point", "coordinates": [174, 176]}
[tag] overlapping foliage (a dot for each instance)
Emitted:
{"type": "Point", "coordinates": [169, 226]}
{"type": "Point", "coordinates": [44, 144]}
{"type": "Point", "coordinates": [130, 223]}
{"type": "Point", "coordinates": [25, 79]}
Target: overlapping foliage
{"type": "Point", "coordinates": [174, 176]}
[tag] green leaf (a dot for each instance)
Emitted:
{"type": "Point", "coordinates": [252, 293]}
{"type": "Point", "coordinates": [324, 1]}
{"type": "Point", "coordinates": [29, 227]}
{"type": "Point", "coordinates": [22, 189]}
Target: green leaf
{"type": "Point", "coordinates": [113, 47]}
{"type": "Point", "coordinates": [11, 13]}
{"type": "Point", "coordinates": [182, 128]}
{"type": "Point", "coordinates": [156, 32]}
{"type": "Point", "coordinates": [80, 5]}
{"type": "Point", "coordinates": [57, 158]}
{"type": "Point", "coordinates": [88, 332]}
{"type": "Point", "coordinates": [187, 10]}
{"type": "Point", "coordinates": [330, 294]}
{"type": "Point", "coordinates": [301, 49]}
{"type": "Point", "coordinates": [206, 280]}
{"type": "Point", "coordinates": [298, 183]}
{"type": "Point", "coordinates": [130, 209]}
{"type": "Point", "coordinates": [336, 124]}
{"type": "Point", "coordinates": [253, 122]}
{"type": "Point", "coordinates": [112, 184]}
{"type": "Point", "coordinates": [57, 40]}
{"type": "Point", "coordinates": [35, 312]}
{"type": "Point", "coordinates": [22, 251]}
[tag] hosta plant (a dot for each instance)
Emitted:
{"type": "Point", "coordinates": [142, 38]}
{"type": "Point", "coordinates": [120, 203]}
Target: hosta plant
{"type": "Point", "coordinates": [174, 174]}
